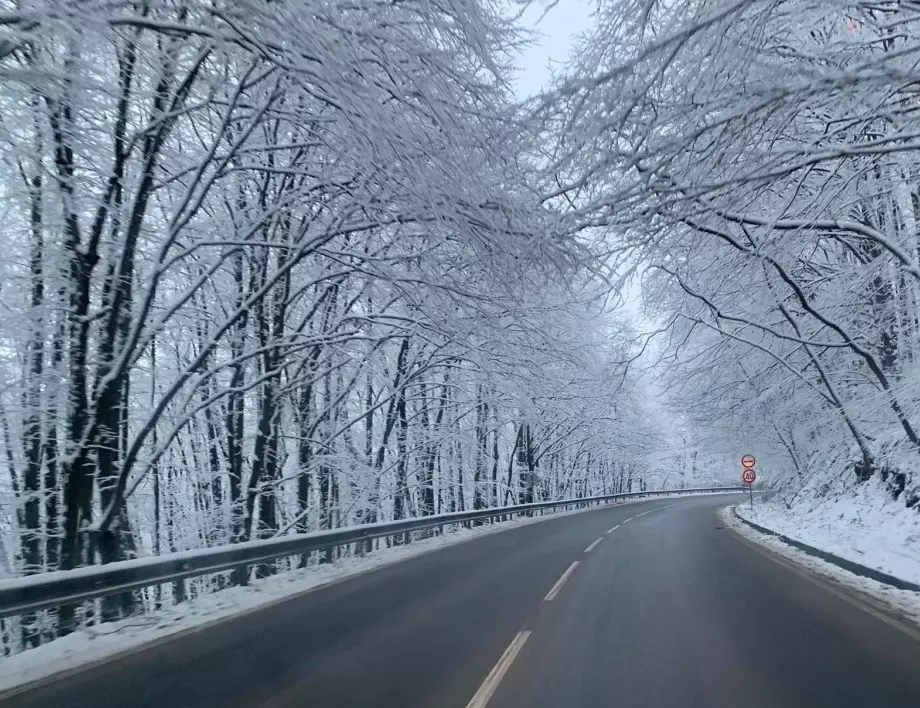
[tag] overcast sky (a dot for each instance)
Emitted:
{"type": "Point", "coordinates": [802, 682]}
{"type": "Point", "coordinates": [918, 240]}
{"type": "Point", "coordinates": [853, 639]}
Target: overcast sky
{"type": "Point", "coordinates": [557, 30]}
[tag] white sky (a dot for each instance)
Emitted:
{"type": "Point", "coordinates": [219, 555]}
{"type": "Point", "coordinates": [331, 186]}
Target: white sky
{"type": "Point", "coordinates": [556, 33]}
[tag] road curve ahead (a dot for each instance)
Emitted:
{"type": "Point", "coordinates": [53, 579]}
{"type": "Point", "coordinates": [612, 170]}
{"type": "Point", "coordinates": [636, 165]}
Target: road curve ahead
{"type": "Point", "coordinates": [648, 605]}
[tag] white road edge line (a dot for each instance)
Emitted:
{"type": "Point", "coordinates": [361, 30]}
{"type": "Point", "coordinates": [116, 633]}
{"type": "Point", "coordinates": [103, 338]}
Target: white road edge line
{"type": "Point", "coordinates": [613, 529]}
{"type": "Point", "coordinates": [551, 595]}
{"type": "Point", "coordinates": [481, 699]}
{"type": "Point", "coordinates": [591, 547]}
{"type": "Point", "coordinates": [628, 520]}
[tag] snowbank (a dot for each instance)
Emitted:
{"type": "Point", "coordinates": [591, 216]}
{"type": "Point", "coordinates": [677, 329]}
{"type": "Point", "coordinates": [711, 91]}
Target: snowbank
{"type": "Point", "coordinates": [889, 601]}
{"type": "Point", "coordinates": [865, 526]}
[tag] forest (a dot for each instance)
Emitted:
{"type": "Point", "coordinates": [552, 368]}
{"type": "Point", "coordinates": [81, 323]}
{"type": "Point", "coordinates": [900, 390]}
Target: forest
{"type": "Point", "coordinates": [274, 267]}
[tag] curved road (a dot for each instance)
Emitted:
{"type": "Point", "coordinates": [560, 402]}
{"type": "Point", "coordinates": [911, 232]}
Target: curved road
{"type": "Point", "coordinates": [646, 605]}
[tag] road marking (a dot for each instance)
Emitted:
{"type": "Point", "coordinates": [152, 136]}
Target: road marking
{"type": "Point", "coordinates": [657, 508]}
{"type": "Point", "coordinates": [551, 595]}
{"type": "Point", "coordinates": [591, 547]}
{"type": "Point", "coordinates": [481, 699]}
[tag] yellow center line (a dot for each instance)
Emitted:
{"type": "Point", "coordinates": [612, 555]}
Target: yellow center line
{"type": "Point", "coordinates": [551, 595]}
{"type": "Point", "coordinates": [481, 699]}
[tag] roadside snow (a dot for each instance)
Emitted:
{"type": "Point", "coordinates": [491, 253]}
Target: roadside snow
{"type": "Point", "coordinates": [865, 526]}
{"type": "Point", "coordinates": [97, 644]}
{"type": "Point", "coordinates": [901, 603]}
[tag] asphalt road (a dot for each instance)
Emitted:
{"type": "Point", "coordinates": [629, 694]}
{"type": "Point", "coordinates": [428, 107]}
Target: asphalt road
{"type": "Point", "coordinates": [667, 610]}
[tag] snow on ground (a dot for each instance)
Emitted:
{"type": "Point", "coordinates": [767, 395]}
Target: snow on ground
{"type": "Point", "coordinates": [96, 644]}
{"type": "Point", "coordinates": [901, 603]}
{"type": "Point", "coordinates": [865, 525]}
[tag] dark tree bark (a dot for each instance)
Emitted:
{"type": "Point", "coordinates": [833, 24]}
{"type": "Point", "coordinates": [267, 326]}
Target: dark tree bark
{"type": "Point", "coordinates": [235, 420]}
{"type": "Point", "coordinates": [401, 500]}
{"type": "Point", "coordinates": [527, 466]}
{"type": "Point", "coordinates": [431, 448]}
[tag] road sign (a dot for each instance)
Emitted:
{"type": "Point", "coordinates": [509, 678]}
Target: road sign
{"type": "Point", "coordinates": [748, 461]}
{"type": "Point", "coordinates": [748, 476]}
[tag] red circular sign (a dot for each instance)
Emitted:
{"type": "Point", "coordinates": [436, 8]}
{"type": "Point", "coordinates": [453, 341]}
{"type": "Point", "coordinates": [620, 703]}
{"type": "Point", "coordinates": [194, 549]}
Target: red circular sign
{"type": "Point", "coordinates": [749, 476]}
{"type": "Point", "coordinates": [748, 461]}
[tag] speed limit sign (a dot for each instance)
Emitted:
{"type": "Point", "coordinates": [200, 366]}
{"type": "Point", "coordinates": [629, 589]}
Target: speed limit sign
{"type": "Point", "coordinates": [748, 476]}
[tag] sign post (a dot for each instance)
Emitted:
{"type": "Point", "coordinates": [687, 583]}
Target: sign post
{"type": "Point", "coordinates": [748, 475]}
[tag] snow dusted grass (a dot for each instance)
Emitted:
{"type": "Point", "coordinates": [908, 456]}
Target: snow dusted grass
{"type": "Point", "coordinates": [99, 643]}
{"type": "Point", "coordinates": [843, 535]}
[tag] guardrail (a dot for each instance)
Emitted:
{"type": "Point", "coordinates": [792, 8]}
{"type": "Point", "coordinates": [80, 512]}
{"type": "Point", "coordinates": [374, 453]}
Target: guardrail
{"type": "Point", "coordinates": [37, 592]}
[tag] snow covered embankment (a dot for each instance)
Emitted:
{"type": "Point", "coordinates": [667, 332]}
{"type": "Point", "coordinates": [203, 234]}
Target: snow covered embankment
{"type": "Point", "coordinates": [866, 526]}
